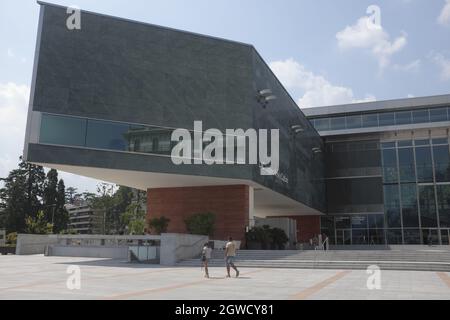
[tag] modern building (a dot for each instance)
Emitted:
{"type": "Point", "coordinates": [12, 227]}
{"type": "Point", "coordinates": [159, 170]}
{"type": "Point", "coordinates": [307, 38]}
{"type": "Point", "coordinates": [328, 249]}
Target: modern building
{"type": "Point", "coordinates": [106, 99]}
{"type": "Point", "coordinates": [85, 220]}
{"type": "Point", "coordinates": [387, 171]}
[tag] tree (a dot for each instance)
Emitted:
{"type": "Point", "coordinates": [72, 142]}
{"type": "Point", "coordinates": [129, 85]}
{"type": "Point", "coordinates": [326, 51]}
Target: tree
{"type": "Point", "coordinates": [159, 225]}
{"type": "Point", "coordinates": [38, 225]}
{"type": "Point", "coordinates": [201, 224]}
{"type": "Point", "coordinates": [61, 215]}
{"type": "Point", "coordinates": [35, 179]}
{"type": "Point", "coordinates": [134, 218]}
{"type": "Point", "coordinates": [50, 195]}
{"type": "Point", "coordinates": [21, 195]}
{"type": "Point", "coordinates": [71, 194]}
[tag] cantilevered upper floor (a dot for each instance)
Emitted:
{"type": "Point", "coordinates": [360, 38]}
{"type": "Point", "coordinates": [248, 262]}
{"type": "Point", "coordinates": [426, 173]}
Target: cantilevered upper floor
{"type": "Point", "coordinates": [106, 98]}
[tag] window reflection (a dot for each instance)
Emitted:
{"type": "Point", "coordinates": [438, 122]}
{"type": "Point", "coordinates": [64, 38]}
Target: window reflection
{"type": "Point", "coordinates": [443, 194]}
{"type": "Point", "coordinates": [392, 205]}
{"type": "Point", "coordinates": [424, 164]}
{"type": "Point", "coordinates": [63, 130]}
{"type": "Point", "coordinates": [382, 119]}
{"type": "Point", "coordinates": [441, 157]}
{"type": "Point", "coordinates": [427, 201]}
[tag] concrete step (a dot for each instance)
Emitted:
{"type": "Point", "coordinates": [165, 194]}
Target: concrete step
{"type": "Point", "coordinates": [419, 260]}
{"type": "Point", "coordinates": [355, 265]}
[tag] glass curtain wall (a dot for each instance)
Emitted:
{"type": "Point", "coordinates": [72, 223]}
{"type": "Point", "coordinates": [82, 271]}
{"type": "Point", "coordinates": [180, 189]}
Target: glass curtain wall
{"type": "Point", "coordinates": [416, 184]}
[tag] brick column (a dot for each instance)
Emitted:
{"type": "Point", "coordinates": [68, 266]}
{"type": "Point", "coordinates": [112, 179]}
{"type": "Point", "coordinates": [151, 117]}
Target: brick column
{"type": "Point", "coordinates": [230, 204]}
{"type": "Point", "coordinates": [307, 227]}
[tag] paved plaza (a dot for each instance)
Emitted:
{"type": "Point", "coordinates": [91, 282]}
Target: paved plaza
{"type": "Point", "coordinates": [39, 277]}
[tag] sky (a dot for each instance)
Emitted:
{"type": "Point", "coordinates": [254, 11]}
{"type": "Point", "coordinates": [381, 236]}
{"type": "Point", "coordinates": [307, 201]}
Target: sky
{"type": "Point", "coordinates": [325, 52]}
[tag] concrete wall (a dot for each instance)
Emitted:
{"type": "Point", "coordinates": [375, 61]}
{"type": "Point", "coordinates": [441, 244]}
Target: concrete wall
{"type": "Point", "coordinates": [177, 247]}
{"type": "Point", "coordinates": [28, 244]}
{"type": "Point", "coordinates": [89, 252]}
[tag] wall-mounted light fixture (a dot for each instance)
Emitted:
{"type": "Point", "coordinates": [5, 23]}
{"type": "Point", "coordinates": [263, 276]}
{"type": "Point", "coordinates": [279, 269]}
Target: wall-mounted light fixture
{"type": "Point", "coordinates": [265, 96]}
{"type": "Point", "coordinates": [296, 129]}
{"type": "Point", "coordinates": [316, 150]}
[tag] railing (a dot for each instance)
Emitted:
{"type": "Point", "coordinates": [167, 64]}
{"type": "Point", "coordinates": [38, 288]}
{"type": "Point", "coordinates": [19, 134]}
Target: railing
{"type": "Point", "coordinates": [110, 241]}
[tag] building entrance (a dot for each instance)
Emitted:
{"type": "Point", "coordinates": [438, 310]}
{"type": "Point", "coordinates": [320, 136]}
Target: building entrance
{"type": "Point", "coordinates": [343, 237]}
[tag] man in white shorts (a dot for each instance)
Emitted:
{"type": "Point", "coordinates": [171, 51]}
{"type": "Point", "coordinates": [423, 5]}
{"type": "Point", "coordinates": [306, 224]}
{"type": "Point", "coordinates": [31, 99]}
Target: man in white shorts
{"type": "Point", "coordinates": [230, 255]}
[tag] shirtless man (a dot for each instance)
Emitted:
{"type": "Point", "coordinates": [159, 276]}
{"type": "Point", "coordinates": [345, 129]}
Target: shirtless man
{"type": "Point", "coordinates": [230, 255]}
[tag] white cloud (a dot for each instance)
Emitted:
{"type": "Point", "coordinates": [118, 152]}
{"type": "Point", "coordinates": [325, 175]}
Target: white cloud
{"type": "Point", "coordinates": [13, 113]}
{"type": "Point", "coordinates": [444, 17]}
{"type": "Point", "coordinates": [10, 53]}
{"type": "Point", "coordinates": [316, 90]}
{"type": "Point", "coordinates": [364, 35]}
{"type": "Point", "coordinates": [443, 63]}
{"type": "Point", "coordinates": [413, 66]}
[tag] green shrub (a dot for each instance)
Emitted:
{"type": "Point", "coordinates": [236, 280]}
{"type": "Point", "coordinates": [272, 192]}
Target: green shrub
{"type": "Point", "coordinates": [201, 224]}
{"type": "Point", "coordinates": [11, 239]}
{"type": "Point", "coordinates": [159, 225]}
{"type": "Point", "coordinates": [267, 238]}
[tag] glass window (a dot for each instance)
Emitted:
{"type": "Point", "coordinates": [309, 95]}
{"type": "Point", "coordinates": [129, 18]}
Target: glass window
{"type": "Point", "coordinates": [60, 130]}
{"type": "Point", "coordinates": [442, 163]}
{"type": "Point", "coordinates": [107, 135]}
{"type": "Point", "coordinates": [427, 201]}
{"type": "Point", "coordinates": [337, 123]}
{"type": "Point", "coordinates": [421, 116]}
{"type": "Point", "coordinates": [425, 142]}
{"type": "Point", "coordinates": [424, 164]}
{"type": "Point", "coordinates": [412, 236]}
{"type": "Point", "coordinates": [404, 117]}
{"type": "Point", "coordinates": [359, 222]}
{"type": "Point", "coordinates": [343, 223]}
{"type": "Point", "coordinates": [406, 165]}
{"type": "Point", "coordinates": [443, 193]}
{"type": "Point", "coordinates": [437, 115]}
{"type": "Point", "coordinates": [376, 237]}
{"type": "Point", "coordinates": [388, 145]}
{"type": "Point", "coordinates": [407, 143]}
{"type": "Point", "coordinates": [390, 173]}
{"type": "Point", "coordinates": [370, 120]}
{"type": "Point", "coordinates": [430, 236]}
{"type": "Point", "coordinates": [394, 236]}
{"type": "Point", "coordinates": [392, 205]}
{"type": "Point", "coordinates": [376, 221]}
{"type": "Point", "coordinates": [360, 237]}
{"type": "Point", "coordinates": [387, 119]}
{"type": "Point", "coordinates": [354, 122]}
{"type": "Point", "coordinates": [410, 211]}
{"type": "Point", "coordinates": [440, 141]}
{"type": "Point", "coordinates": [322, 124]}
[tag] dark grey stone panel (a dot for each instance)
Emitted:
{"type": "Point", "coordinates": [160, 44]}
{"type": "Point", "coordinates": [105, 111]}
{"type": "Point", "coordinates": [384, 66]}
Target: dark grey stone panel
{"type": "Point", "coordinates": [119, 70]}
{"type": "Point", "coordinates": [48, 154]}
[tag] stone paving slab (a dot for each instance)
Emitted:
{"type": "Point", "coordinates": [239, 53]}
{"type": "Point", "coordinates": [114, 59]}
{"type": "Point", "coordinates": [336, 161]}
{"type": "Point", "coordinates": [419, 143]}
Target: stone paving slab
{"type": "Point", "coordinates": [39, 277]}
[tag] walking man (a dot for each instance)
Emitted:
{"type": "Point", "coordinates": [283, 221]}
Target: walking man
{"type": "Point", "coordinates": [230, 254]}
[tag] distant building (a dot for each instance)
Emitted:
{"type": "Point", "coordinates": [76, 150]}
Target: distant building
{"type": "Point", "coordinates": [83, 219]}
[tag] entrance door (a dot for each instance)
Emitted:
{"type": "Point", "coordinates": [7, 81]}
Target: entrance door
{"type": "Point", "coordinates": [445, 237]}
{"type": "Point", "coordinates": [344, 237]}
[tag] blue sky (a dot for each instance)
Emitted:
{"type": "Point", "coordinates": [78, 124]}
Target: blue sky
{"type": "Point", "coordinates": [322, 50]}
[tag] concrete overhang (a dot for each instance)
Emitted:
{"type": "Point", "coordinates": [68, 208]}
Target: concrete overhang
{"type": "Point", "coordinates": [266, 201]}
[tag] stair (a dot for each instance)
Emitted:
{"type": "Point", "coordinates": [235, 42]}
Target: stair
{"type": "Point", "coordinates": [413, 260]}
